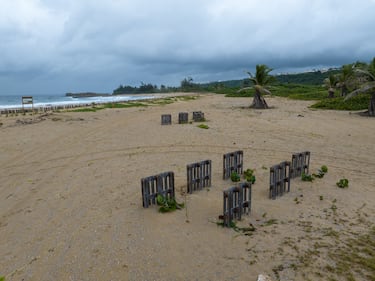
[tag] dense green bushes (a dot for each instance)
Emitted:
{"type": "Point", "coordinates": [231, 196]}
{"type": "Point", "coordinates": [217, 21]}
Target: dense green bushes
{"type": "Point", "coordinates": [359, 102]}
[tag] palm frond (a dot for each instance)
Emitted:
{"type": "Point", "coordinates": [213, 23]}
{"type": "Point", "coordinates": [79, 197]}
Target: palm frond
{"type": "Point", "coordinates": [244, 89]}
{"type": "Point", "coordinates": [366, 73]}
{"type": "Point", "coordinates": [250, 74]}
{"type": "Point", "coordinates": [364, 89]}
{"type": "Point", "coordinates": [262, 90]}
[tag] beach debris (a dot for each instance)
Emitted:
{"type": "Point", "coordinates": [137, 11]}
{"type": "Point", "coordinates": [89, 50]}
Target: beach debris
{"type": "Point", "coordinates": [30, 121]}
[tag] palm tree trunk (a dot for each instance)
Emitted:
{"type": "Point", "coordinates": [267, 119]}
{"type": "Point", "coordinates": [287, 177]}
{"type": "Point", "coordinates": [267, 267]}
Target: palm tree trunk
{"type": "Point", "coordinates": [331, 93]}
{"type": "Point", "coordinates": [344, 91]}
{"type": "Point", "coordinates": [259, 102]}
{"type": "Point", "coordinates": [371, 108]}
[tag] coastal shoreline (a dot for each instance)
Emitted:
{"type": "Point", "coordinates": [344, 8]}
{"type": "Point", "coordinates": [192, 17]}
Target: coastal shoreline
{"type": "Point", "coordinates": [46, 107]}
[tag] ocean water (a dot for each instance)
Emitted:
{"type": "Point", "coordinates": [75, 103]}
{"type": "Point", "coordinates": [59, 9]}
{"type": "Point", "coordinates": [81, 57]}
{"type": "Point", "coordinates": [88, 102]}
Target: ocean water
{"type": "Point", "coordinates": [15, 101]}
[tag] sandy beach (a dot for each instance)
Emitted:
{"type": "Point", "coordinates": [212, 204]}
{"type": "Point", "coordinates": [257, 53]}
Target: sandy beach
{"type": "Point", "coordinates": [71, 203]}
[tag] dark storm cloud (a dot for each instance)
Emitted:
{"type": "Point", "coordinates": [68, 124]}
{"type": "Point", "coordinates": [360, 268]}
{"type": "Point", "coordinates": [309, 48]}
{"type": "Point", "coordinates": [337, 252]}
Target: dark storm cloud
{"type": "Point", "coordinates": [55, 45]}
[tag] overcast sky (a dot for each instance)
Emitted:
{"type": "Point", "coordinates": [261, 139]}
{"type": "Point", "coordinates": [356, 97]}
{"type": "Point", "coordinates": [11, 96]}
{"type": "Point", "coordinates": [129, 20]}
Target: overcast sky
{"type": "Point", "coordinates": [58, 46]}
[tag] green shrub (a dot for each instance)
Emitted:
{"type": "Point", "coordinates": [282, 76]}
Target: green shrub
{"type": "Point", "coordinates": [235, 177]}
{"type": "Point", "coordinates": [168, 204]}
{"type": "Point", "coordinates": [324, 169]}
{"type": "Point", "coordinates": [249, 176]}
{"type": "Point", "coordinates": [343, 183]}
{"type": "Point", "coordinates": [359, 102]}
{"type": "Point", "coordinates": [203, 126]}
{"type": "Point", "coordinates": [307, 177]}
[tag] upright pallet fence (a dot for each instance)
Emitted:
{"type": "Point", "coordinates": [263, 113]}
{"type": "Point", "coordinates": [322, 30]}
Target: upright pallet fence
{"type": "Point", "coordinates": [183, 117]}
{"type": "Point", "coordinates": [152, 186]}
{"type": "Point", "coordinates": [232, 162]}
{"type": "Point", "coordinates": [236, 202]}
{"type": "Point", "coordinates": [149, 190]}
{"type": "Point", "coordinates": [198, 175]}
{"type": "Point", "coordinates": [166, 119]}
{"type": "Point", "coordinates": [198, 116]}
{"type": "Point", "coordinates": [300, 164]}
{"type": "Point", "coordinates": [246, 197]}
{"type": "Point", "coordinates": [279, 179]}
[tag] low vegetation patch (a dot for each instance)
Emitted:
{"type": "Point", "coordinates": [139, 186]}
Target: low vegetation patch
{"type": "Point", "coordinates": [235, 177]}
{"type": "Point", "coordinates": [87, 109]}
{"type": "Point", "coordinates": [299, 91]}
{"type": "Point", "coordinates": [292, 91]}
{"type": "Point", "coordinates": [247, 231]}
{"type": "Point", "coordinates": [249, 176]}
{"type": "Point", "coordinates": [168, 204]}
{"type": "Point", "coordinates": [323, 170]}
{"type": "Point", "coordinates": [307, 177]}
{"type": "Point", "coordinates": [359, 102]}
{"type": "Point", "coordinates": [343, 183]}
{"type": "Point", "coordinates": [320, 174]}
{"type": "Point", "coordinates": [203, 126]}
{"type": "Point", "coordinates": [124, 105]}
{"type": "Point", "coordinates": [355, 258]}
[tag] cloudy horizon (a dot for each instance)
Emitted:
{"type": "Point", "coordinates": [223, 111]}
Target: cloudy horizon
{"type": "Point", "coordinates": [55, 46]}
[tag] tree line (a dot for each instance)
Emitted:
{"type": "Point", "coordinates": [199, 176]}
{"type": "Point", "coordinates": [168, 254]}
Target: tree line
{"type": "Point", "coordinates": [351, 80]}
{"type": "Point", "coordinates": [348, 81]}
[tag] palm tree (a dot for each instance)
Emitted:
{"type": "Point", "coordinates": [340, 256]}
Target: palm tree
{"type": "Point", "coordinates": [330, 83]}
{"type": "Point", "coordinates": [367, 73]}
{"type": "Point", "coordinates": [260, 81]}
{"type": "Point", "coordinates": [346, 78]}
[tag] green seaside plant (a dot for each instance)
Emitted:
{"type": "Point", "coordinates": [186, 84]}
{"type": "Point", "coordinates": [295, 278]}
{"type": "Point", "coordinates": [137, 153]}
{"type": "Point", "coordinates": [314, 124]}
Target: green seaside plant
{"type": "Point", "coordinates": [307, 177]}
{"type": "Point", "coordinates": [323, 170]}
{"type": "Point", "coordinates": [168, 204]}
{"type": "Point", "coordinates": [249, 176]}
{"type": "Point", "coordinates": [203, 126]}
{"type": "Point", "coordinates": [235, 177]}
{"type": "Point", "coordinates": [343, 183]}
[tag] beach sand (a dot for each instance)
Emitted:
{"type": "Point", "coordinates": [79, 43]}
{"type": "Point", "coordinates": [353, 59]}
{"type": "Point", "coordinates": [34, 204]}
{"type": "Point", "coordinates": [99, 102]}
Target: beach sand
{"type": "Point", "coordinates": [71, 203]}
